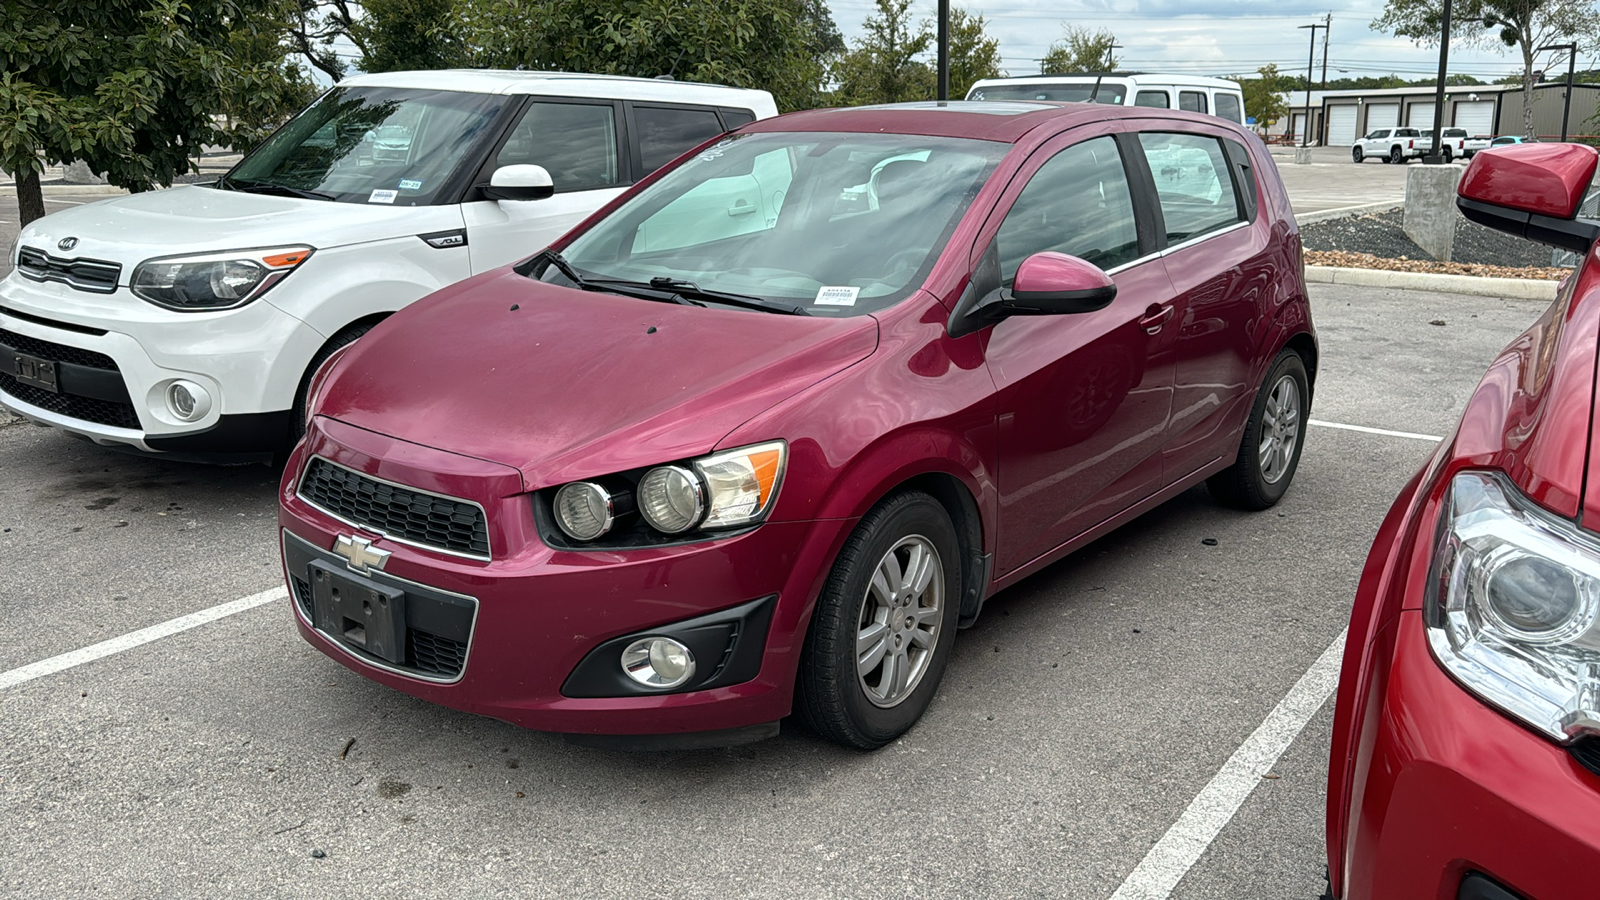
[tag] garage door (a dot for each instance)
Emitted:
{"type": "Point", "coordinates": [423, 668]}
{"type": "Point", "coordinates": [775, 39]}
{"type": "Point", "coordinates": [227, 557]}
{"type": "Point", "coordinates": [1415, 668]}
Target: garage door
{"type": "Point", "coordinates": [1299, 128]}
{"type": "Point", "coordinates": [1342, 125]}
{"type": "Point", "coordinates": [1382, 115]}
{"type": "Point", "coordinates": [1422, 116]}
{"type": "Point", "coordinates": [1476, 116]}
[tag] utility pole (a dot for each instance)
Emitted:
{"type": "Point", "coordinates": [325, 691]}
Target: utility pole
{"type": "Point", "coordinates": [944, 49]}
{"type": "Point", "coordinates": [1311, 70]}
{"type": "Point", "coordinates": [1566, 103]}
{"type": "Point", "coordinates": [1436, 155]}
{"type": "Point", "coordinates": [1327, 27]}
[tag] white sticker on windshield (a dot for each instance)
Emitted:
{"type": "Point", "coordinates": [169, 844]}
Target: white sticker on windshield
{"type": "Point", "coordinates": [411, 184]}
{"type": "Point", "coordinates": [383, 196]}
{"type": "Point", "coordinates": [836, 296]}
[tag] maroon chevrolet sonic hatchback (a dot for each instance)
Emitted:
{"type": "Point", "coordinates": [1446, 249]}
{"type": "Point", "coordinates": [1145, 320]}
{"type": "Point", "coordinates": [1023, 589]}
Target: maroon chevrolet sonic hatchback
{"type": "Point", "coordinates": [761, 435]}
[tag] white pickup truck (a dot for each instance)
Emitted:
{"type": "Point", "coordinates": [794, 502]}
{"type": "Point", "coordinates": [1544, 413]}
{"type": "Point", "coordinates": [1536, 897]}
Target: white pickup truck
{"type": "Point", "coordinates": [1392, 145]}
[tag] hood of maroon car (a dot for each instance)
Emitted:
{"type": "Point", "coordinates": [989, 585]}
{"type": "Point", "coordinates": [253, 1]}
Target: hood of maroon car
{"type": "Point", "coordinates": [566, 384]}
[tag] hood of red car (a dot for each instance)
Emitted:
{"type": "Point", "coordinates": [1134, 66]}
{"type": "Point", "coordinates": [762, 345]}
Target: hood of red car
{"type": "Point", "coordinates": [564, 384]}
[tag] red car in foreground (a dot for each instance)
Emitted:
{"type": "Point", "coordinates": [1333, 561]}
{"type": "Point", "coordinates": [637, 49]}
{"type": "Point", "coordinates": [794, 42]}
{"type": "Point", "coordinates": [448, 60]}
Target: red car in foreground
{"type": "Point", "coordinates": [1466, 744]}
{"type": "Point", "coordinates": [760, 436]}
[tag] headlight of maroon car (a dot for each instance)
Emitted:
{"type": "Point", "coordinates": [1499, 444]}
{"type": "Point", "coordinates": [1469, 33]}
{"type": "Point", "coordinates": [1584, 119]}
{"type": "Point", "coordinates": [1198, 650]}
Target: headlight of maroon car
{"type": "Point", "coordinates": [1512, 606]}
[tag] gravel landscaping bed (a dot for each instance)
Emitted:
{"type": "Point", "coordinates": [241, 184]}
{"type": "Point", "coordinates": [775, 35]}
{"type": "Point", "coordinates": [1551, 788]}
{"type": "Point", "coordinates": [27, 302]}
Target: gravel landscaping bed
{"type": "Point", "coordinates": [1378, 241]}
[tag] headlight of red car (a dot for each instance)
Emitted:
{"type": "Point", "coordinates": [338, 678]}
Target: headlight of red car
{"type": "Point", "coordinates": [1512, 606]}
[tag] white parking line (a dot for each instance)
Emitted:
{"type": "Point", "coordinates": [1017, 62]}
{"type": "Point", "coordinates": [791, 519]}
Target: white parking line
{"type": "Point", "coordinates": [1383, 431]}
{"type": "Point", "coordinates": [136, 638]}
{"type": "Point", "coordinates": [1178, 850]}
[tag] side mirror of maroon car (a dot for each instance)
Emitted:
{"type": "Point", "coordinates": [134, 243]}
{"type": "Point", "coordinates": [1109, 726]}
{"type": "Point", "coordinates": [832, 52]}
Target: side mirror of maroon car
{"type": "Point", "coordinates": [1532, 191]}
{"type": "Point", "coordinates": [1047, 283]}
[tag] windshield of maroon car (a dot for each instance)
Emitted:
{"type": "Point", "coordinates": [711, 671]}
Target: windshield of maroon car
{"type": "Point", "coordinates": [841, 224]}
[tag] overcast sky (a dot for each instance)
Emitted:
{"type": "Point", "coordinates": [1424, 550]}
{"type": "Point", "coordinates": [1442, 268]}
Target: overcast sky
{"type": "Point", "coordinates": [1206, 37]}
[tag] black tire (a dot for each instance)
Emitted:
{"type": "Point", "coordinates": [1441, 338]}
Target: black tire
{"type": "Point", "coordinates": [1355, 154]}
{"type": "Point", "coordinates": [830, 694]}
{"type": "Point", "coordinates": [297, 423]}
{"type": "Point", "coordinates": [1248, 484]}
{"type": "Point", "coordinates": [1396, 156]}
{"type": "Point", "coordinates": [1447, 154]}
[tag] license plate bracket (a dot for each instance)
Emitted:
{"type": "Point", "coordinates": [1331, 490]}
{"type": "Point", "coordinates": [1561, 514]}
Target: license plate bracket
{"type": "Point", "coordinates": [40, 373]}
{"type": "Point", "coordinates": [359, 612]}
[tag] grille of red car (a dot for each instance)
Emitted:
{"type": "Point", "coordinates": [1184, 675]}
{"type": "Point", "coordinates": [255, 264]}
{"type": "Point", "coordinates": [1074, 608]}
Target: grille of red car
{"type": "Point", "coordinates": [405, 514]}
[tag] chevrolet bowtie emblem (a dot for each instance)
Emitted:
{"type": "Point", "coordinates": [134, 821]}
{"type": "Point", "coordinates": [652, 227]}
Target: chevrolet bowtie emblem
{"type": "Point", "coordinates": [360, 553]}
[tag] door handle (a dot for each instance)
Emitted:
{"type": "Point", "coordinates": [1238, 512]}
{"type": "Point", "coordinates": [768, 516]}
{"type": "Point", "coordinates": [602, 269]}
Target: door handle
{"type": "Point", "coordinates": [741, 209]}
{"type": "Point", "coordinates": [1155, 317]}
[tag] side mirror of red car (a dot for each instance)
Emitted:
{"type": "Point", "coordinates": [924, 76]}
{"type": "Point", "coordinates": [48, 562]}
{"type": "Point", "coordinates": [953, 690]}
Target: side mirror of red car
{"type": "Point", "coordinates": [1047, 283]}
{"type": "Point", "coordinates": [1532, 191]}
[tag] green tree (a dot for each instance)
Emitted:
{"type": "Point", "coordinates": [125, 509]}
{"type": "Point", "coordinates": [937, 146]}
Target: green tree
{"type": "Point", "coordinates": [1263, 96]}
{"type": "Point", "coordinates": [1524, 25]}
{"type": "Point", "coordinates": [260, 43]}
{"type": "Point", "coordinates": [128, 86]}
{"type": "Point", "coordinates": [396, 35]}
{"type": "Point", "coordinates": [314, 27]}
{"type": "Point", "coordinates": [973, 53]}
{"type": "Point", "coordinates": [1081, 50]}
{"type": "Point", "coordinates": [882, 66]}
{"type": "Point", "coordinates": [746, 43]}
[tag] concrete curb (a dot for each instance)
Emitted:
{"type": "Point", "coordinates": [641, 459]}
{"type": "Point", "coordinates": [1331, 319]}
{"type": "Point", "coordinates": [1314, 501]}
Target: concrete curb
{"type": "Point", "coordinates": [1323, 215]}
{"type": "Point", "coordinates": [1508, 288]}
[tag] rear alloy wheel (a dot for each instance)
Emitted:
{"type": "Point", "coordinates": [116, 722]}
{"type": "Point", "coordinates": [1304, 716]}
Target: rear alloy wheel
{"type": "Point", "coordinates": [1447, 154]}
{"type": "Point", "coordinates": [1395, 156]}
{"type": "Point", "coordinates": [1269, 451]}
{"type": "Point", "coordinates": [1355, 154]}
{"type": "Point", "coordinates": [881, 635]}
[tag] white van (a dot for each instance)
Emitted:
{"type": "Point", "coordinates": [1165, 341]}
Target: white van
{"type": "Point", "coordinates": [1217, 96]}
{"type": "Point", "coordinates": [189, 320]}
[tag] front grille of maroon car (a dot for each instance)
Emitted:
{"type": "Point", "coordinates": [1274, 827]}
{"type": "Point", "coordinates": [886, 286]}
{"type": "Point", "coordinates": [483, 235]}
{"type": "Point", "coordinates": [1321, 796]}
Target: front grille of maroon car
{"type": "Point", "coordinates": [87, 409]}
{"type": "Point", "coordinates": [404, 514]}
{"type": "Point", "coordinates": [96, 275]}
{"type": "Point", "coordinates": [426, 653]}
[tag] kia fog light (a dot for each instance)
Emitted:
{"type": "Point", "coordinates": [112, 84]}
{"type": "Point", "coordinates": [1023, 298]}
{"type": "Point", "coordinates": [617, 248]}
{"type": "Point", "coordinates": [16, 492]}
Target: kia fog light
{"type": "Point", "coordinates": [188, 401]}
{"type": "Point", "coordinates": [584, 510]}
{"type": "Point", "coordinates": [658, 662]}
{"type": "Point", "coordinates": [671, 499]}
{"type": "Point", "coordinates": [1513, 603]}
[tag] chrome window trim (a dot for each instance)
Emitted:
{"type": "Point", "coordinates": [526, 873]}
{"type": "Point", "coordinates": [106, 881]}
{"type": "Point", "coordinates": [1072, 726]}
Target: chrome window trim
{"type": "Point", "coordinates": [378, 531]}
{"type": "Point", "coordinates": [367, 660]}
{"type": "Point", "coordinates": [1203, 237]}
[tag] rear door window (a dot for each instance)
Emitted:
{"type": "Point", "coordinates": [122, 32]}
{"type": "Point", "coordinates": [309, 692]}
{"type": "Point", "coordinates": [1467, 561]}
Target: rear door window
{"type": "Point", "coordinates": [1194, 183]}
{"type": "Point", "coordinates": [1153, 99]}
{"type": "Point", "coordinates": [1228, 108]}
{"type": "Point", "coordinates": [1192, 101]}
{"type": "Point", "coordinates": [1077, 203]}
{"type": "Point", "coordinates": [575, 142]}
{"type": "Point", "coordinates": [664, 133]}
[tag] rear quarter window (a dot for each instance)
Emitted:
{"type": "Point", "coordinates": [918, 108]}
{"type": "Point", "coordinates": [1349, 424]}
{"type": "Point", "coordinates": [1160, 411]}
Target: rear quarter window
{"type": "Point", "coordinates": [1228, 108]}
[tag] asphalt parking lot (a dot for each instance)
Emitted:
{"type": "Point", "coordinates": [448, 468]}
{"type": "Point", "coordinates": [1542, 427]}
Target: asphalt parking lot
{"type": "Point", "coordinates": [1078, 723]}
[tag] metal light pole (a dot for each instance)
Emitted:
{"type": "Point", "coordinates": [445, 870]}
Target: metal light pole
{"type": "Point", "coordinates": [1566, 103]}
{"type": "Point", "coordinates": [1311, 62]}
{"type": "Point", "coordinates": [944, 49]}
{"type": "Point", "coordinates": [1436, 155]}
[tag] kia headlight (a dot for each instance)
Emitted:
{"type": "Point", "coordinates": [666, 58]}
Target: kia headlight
{"type": "Point", "coordinates": [1512, 603]}
{"type": "Point", "coordinates": [727, 490]}
{"type": "Point", "coordinates": [205, 282]}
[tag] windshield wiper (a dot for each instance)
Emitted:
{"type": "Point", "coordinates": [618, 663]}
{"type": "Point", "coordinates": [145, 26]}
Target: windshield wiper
{"type": "Point", "coordinates": [267, 187]}
{"type": "Point", "coordinates": [690, 289]}
{"type": "Point", "coordinates": [625, 288]}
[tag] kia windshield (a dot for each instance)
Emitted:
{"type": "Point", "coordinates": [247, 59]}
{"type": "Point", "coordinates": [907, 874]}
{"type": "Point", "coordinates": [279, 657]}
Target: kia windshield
{"type": "Point", "coordinates": [389, 146]}
{"type": "Point", "coordinates": [828, 224]}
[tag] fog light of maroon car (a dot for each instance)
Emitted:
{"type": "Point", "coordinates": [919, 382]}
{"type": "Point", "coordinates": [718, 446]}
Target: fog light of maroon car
{"type": "Point", "coordinates": [660, 663]}
{"type": "Point", "coordinates": [671, 499]}
{"type": "Point", "coordinates": [584, 510]}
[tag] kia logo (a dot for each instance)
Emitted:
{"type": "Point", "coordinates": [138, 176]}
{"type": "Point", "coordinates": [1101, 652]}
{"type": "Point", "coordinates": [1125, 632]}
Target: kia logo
{"type": "Point", "coordinates": [67, 243]}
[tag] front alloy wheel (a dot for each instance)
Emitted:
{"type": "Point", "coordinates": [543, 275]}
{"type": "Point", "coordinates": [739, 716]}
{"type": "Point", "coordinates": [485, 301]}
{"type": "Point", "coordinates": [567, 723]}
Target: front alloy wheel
{"type": "Point", "coordinates": [1355, 154]}
{"type": "Point", "coordinates": [884, 624]}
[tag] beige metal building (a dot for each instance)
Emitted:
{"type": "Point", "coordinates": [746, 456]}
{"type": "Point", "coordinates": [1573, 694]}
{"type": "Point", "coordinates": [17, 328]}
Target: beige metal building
{"type": "Point", "coordinates": [1338, 117]}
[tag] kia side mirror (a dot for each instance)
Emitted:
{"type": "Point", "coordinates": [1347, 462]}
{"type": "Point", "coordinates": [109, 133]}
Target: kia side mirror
{"type": "Point", "coordinates": [520, 182]}
{"type": "Point", "coordinates": [1047, 283]}
{"type": "Point", "coordinates": [1532, 191]}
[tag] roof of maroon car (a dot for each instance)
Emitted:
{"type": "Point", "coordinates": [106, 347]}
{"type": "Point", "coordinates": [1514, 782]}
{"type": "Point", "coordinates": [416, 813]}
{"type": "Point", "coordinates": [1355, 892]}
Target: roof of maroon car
{"type": "Point", "coordinates": [988, 120]}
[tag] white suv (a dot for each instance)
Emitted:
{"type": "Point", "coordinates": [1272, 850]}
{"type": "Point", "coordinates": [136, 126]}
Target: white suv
{"type": "Point", "coordinates": [188, 321]}
{"type": "Point", "coordinates": [1392, 145]}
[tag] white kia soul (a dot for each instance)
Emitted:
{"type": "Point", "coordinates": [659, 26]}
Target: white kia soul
{"type": "Point", "coordinates": [188, 321]}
